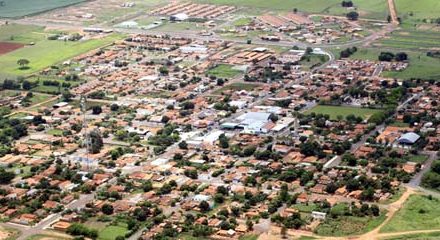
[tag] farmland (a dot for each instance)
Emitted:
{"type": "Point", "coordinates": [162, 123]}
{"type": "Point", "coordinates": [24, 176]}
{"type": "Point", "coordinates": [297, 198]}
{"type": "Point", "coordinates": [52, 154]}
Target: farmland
{"type": "Point", "coordinates": [14, 8]}
{"type": "Point", "coordinates": [368, 8]}
{"type": "Point", "coordinates": [44, 53]}
{"type": "Point", "coordinates": [334, 111]}
{"type": "Point", "coordinates": [418, 213]}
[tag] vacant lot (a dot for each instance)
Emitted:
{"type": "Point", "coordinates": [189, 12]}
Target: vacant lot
{"type": "Point", "coordinates": [367, 8]}
{"type": "Point", "coordinates": [349, 225]}
{"type": "Point", "coordinates": [334, 111]}
{"type": "Point", "coordinates": [20, 8]}
{"type": "Point", "coordinates": [6, 47]}
{"type": "Point", "coordinates": [237, 87]}
{"type": "Point", "coordinates": [418, 213]}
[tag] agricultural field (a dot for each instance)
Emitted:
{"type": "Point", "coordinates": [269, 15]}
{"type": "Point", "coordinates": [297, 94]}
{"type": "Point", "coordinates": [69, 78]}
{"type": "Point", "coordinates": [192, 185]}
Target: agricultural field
{"type": "Point", "coordinates": [417, 236]}
{"type": "Point", "coordinates": [418, 213]}
{"type": "Point", "coordinates": [334, 111]}
{"type": "Point", "coordinates": [14, 8]}
{"type": "Point", "coordinates": [411, 39]}
{"type": "Point", "coordinates": [376, 9]}
{"type": "Point", "coordinates": [43, 53]}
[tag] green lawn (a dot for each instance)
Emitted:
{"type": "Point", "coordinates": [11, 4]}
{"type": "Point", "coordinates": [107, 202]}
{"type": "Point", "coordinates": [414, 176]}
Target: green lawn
{"type": "Point", "coordinates": [249, 237]}
{"type": "Point", "coordinates": [224, 71]}
{"type": "Point", "coordinates": [348, 225]}
{"type": "Point", "coordinates": [367, 8]}
{"type": "Point", "coordinates": [242, 21]}
{"type": "Point", "coordinates": [20, 8]}
{"type": "Point", "coordinates": [418, 213]}
{"type": "Point", "coordinates": [45, 53]}
{"type": "Point", "coordinates": [55, 132]}
{"type": "Point", "coordinates": [334, 111]}
{"type": "Point", "coordinates": [111, 232]}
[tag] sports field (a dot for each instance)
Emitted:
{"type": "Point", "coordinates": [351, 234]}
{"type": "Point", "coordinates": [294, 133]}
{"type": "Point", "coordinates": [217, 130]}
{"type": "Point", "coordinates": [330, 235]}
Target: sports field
{"type": "Point", "coordinates": [20, 8]}
{"type": "Point", "coordinates": [335, 111]}
{"type": "Point", "coordinates": [367, 8]}
{"type": "Point", "coordinates": [43, 53]}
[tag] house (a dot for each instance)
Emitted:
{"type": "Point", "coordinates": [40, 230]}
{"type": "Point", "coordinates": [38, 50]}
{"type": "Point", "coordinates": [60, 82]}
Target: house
{"type": "Point", "coordinates": [318, 215]}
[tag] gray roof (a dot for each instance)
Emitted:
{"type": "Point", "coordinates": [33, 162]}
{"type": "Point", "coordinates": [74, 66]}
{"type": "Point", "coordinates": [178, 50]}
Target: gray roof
{"type": "Point", "coordinates": [409, 138]}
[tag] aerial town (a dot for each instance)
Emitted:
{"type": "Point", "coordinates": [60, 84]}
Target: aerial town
{"type": "Point", "coordinates": [219, 119]}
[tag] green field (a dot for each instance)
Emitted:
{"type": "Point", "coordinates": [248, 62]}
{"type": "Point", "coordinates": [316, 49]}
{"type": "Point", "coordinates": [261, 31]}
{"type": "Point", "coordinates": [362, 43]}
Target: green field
{"type": "Point", "coordinates": [367, 8]}
{"type": "Point", "coordinates": [348, 225]}
{"type": "Point", "coordinates": [43, 53]}
{"type": "Point", "coordinates": [20, 8]}
{"type": "Point", "coordinates": [420, 9]}
{"type": "Point", "coordinates": [237, 87]}
{"type": "Point", "coordinates": [419, 236]}
{"type": "Point", "coordinates": [112, 231]}
{"type": "Point", "coordinates": [418, 213]}
{"type": "Point", "coordinates": [224, 71]}
{"type": "Point", "coordinates": [334, 111]}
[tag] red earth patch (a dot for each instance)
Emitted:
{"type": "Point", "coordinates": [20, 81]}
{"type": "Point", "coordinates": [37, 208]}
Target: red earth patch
{"type": "Point", "coordinates": [6, 47]}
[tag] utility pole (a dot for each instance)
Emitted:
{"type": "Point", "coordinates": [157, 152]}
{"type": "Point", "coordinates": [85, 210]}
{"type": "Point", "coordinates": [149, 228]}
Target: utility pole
{"type": "Point", "coordinates": [83, 105]}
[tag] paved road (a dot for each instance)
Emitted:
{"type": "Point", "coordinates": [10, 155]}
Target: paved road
{"type": "Point", "coordinates": [417, 179]}
{"type": "Point", "coordinates": [27, 231]}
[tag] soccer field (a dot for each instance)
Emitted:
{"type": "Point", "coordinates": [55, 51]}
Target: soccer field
{"type": "Point", "coordinates": [335, 111]}
{"type": "Point", "coordinates": [20, 8]}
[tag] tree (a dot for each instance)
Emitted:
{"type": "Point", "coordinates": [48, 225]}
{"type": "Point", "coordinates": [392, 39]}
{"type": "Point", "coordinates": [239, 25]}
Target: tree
{"type": "Point", "coordinates": [353, 16]}
{"type": "Point", "coordinates": [223, 141]}
{"type": "Point", "coordinates": [107, 209]}
{"type": "Point", "coordinates": [23, 63]}
{"type": "Point", "coordinates": [67, 96]}
{"type": "Point", "coordinates": [249, 224]}
{"type": "Point", "coordinates": [96, 142]}
{"type": "Point", "coordinates": [26, 85]}
{"type": "Point", "coordinates": [401, 56]}
{"type": "Point", "coordinates": [204, 206]}
{"type": "Point", "coordinates": [6, 177]}
{"type": "Point", "coordinates": [183, 145]}
{"type": "Point", "coordinates": [96, 110]}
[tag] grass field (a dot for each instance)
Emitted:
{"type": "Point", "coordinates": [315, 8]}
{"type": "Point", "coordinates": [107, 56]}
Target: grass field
{"type": "Point", "coordinates": [367, 8]}
{"type": "Point", "coordinates": [237, 87]}
{"type": "Point", "coordinates": [224, 71]}
{"type": "Point", "coordinates": [418, 213]}
{"type": "Point", "coordinates": [421, 9]}
{"type": "Point", "coordinates": [419, 236]}
{"type": "Point", "coordinates": [44, 53]}
{"type": "Point", "coordinates": [334, 111]}
{"type": "Point", "coordinates": [348, 225]}
{"type": "Point", "coordinates": [20, 8]}
{"type": "Point", "coordinates": [112, 231]}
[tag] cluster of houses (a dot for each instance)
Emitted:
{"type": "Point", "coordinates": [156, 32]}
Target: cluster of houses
{"type": "Point", "coordinates": [176, 150]}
